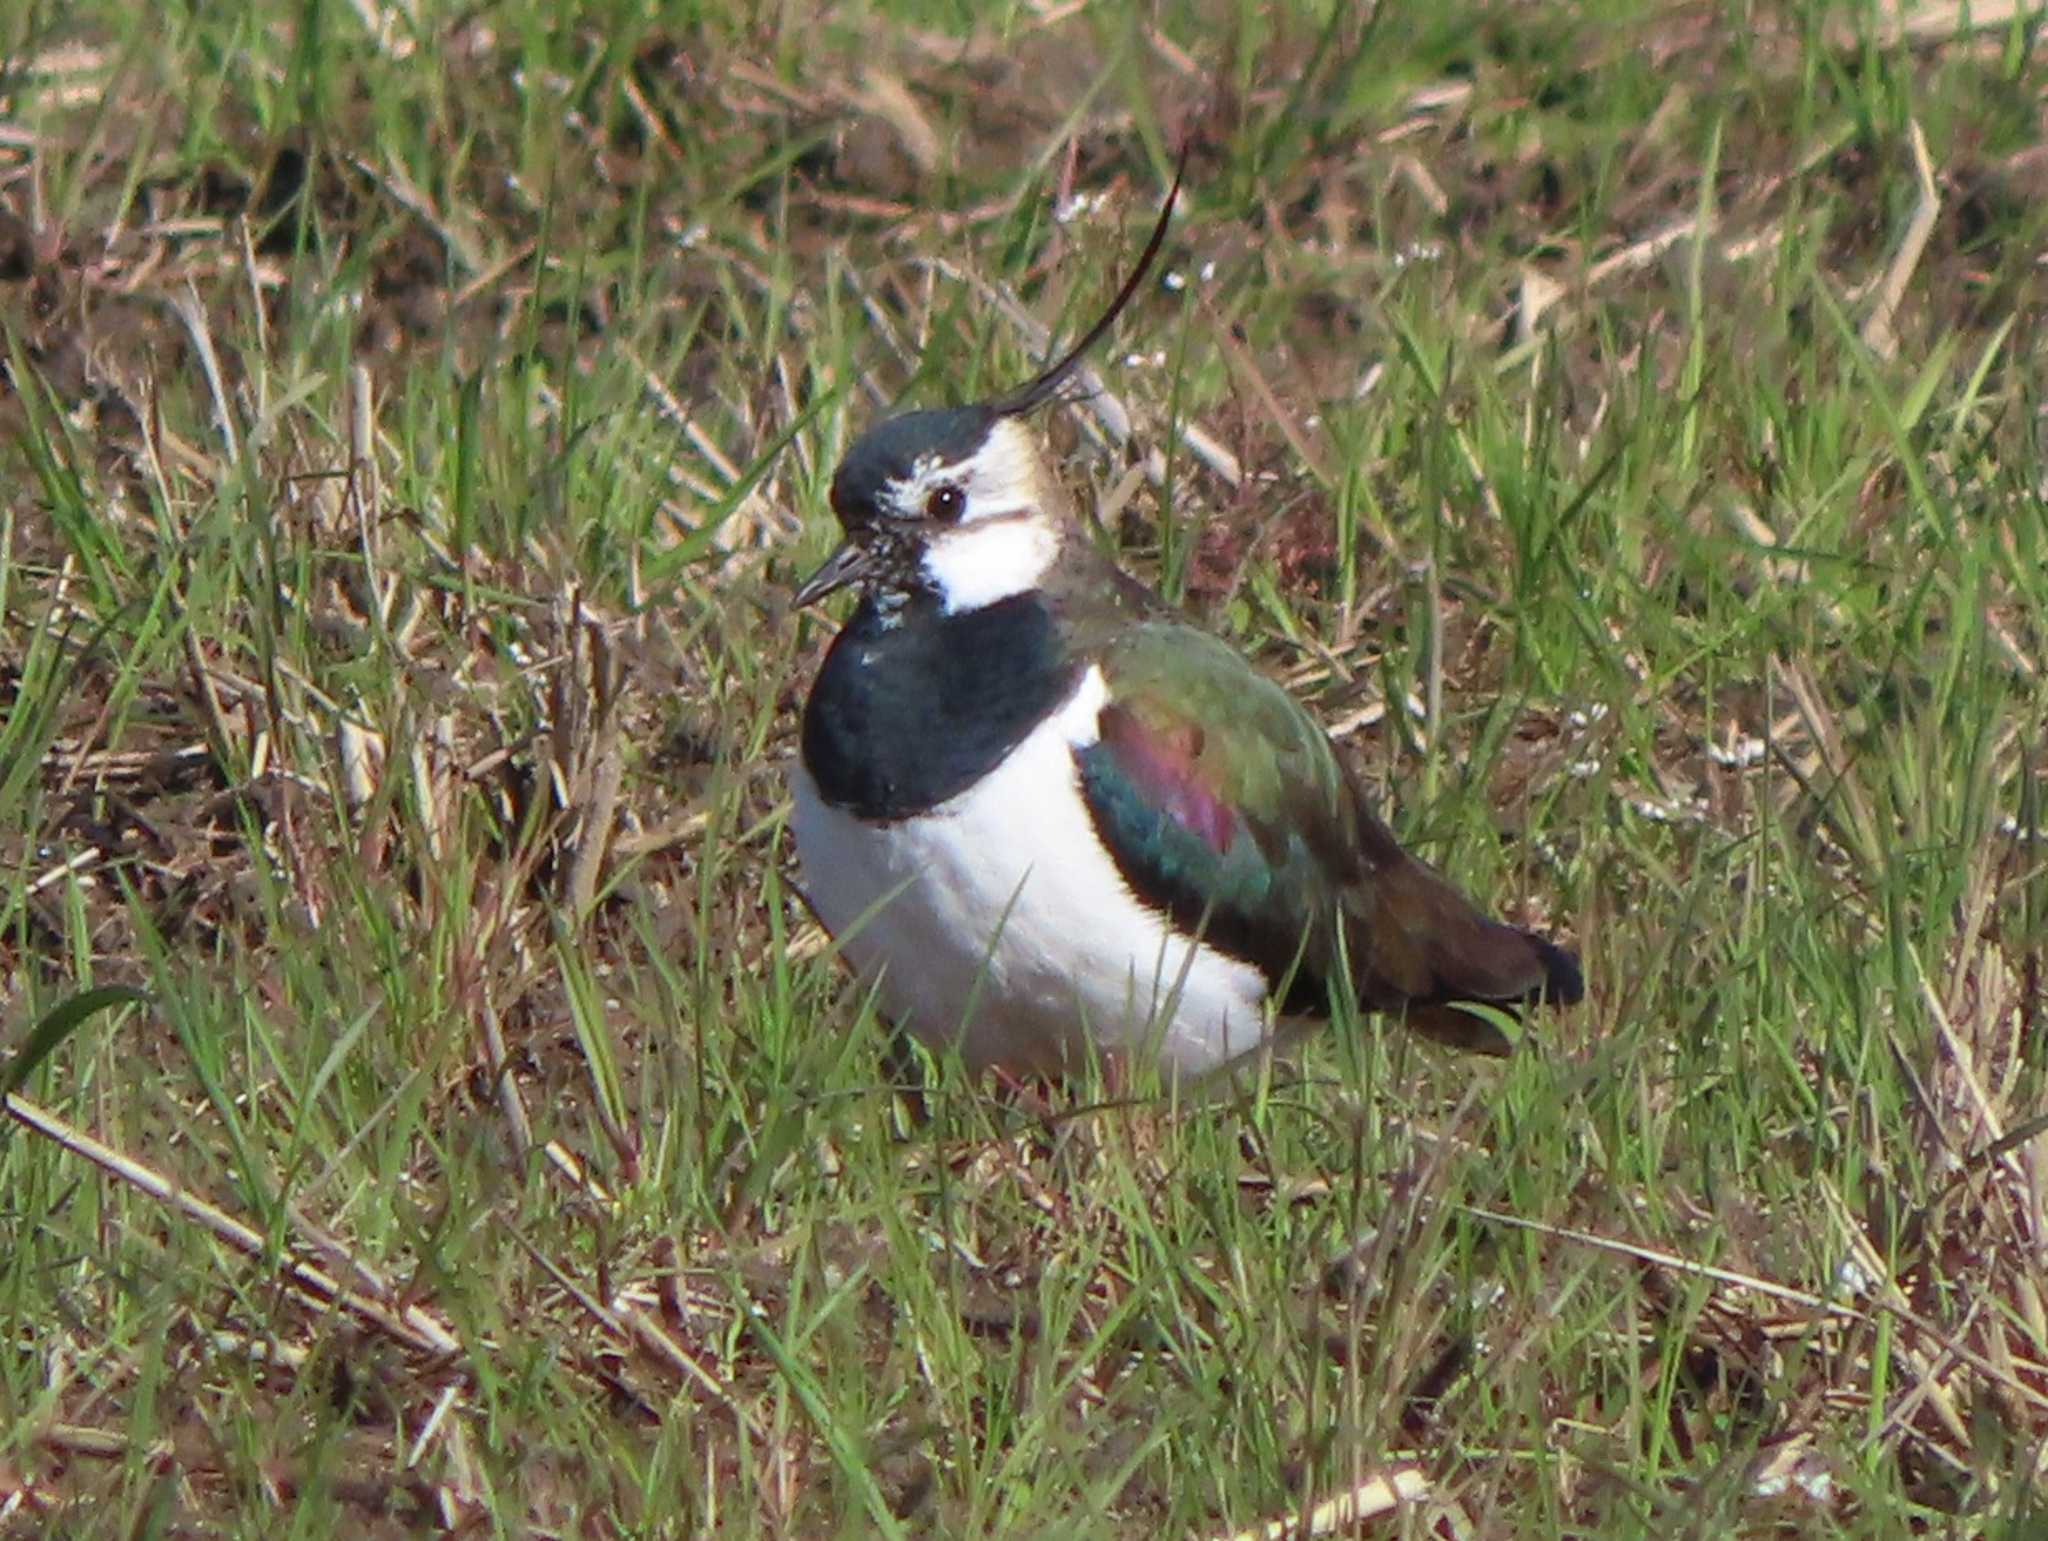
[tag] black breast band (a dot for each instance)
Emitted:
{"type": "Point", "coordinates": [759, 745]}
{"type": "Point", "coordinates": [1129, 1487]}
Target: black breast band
{"type": "Point", "coordinates": [910, 713]}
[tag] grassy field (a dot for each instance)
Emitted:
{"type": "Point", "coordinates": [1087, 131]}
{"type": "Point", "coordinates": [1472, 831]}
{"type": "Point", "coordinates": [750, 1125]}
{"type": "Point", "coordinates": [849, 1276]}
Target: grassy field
{"type": "Point", "coordinates": [432, 1106]}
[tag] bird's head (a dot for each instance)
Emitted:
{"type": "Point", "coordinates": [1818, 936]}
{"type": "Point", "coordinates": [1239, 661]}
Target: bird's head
{"type": "Point", "coordinates": [958, 502]}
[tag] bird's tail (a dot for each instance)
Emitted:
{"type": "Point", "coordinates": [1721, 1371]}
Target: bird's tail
{"type": "Point", "coordinates": [1421, 947]}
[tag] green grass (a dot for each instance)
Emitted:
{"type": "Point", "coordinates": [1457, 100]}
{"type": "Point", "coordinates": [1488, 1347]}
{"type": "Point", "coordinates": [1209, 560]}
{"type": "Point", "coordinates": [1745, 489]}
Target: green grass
{"type": "Point", "coordinates": [407, 445]}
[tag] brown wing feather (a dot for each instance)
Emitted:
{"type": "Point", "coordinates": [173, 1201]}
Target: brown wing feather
{"type": "Point", "coordinates": [1419, 944]}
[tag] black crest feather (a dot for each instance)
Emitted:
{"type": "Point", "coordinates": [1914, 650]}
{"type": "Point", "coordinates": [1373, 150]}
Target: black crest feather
{"type": "Point", "coordinates": [1041, 390]}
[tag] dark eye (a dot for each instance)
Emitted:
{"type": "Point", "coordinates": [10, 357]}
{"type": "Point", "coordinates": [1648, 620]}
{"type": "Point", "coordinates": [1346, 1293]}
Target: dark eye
{"type": "Point", "coordinates": [944, 505]}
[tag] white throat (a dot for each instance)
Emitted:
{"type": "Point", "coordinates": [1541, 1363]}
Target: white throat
{"type": "Point", "coordinates": [990, 559]}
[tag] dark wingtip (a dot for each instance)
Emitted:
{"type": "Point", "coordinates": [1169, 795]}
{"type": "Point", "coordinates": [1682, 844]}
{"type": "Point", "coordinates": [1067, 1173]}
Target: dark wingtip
{"type": "Point", "coordinates": [1036, 393]}
{"type": "Point", "coordinates": [1455, 1028]}
{"type": "Point", "coordinates": [1563, 983]}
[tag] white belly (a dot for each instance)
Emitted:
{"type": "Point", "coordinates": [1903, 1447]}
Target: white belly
{"type": "Point", "coordinates": [998, 922]}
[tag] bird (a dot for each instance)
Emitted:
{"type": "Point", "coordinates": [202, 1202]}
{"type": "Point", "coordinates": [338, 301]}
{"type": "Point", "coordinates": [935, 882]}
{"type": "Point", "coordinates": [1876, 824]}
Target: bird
{"type": "Point", "coordinates": [1051, 820]}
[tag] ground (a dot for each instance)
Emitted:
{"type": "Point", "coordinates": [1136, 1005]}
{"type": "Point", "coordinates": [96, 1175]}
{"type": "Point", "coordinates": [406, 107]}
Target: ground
{"type": "Point", "coordinates": [431, 1104]}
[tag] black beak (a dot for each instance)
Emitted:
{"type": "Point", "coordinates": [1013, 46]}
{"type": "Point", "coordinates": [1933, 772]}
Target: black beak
{"type": "Point", "coordinates": [849, 564]}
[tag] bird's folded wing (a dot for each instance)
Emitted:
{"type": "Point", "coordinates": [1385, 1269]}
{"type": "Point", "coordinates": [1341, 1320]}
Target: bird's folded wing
{"type": "Point", "coordinates": [1221, 800]}
{"type": "Point", "coordinates": [1223, 803]}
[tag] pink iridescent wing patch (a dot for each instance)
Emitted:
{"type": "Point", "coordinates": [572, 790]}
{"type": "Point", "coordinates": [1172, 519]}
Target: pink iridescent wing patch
{"type": "Point", "coordinates": [1164, 766]}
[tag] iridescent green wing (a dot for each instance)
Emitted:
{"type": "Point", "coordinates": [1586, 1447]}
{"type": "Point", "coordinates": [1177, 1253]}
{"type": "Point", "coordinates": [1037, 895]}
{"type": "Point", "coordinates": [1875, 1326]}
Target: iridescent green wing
{"type": "Point", "coordinates": [1221, 801]}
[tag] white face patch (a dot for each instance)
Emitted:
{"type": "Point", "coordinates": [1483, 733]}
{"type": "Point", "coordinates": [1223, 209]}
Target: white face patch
{"type": "Point", "coordinates": [1006, 537]}
{"type": "Point", "coordinates": [978, 563]}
